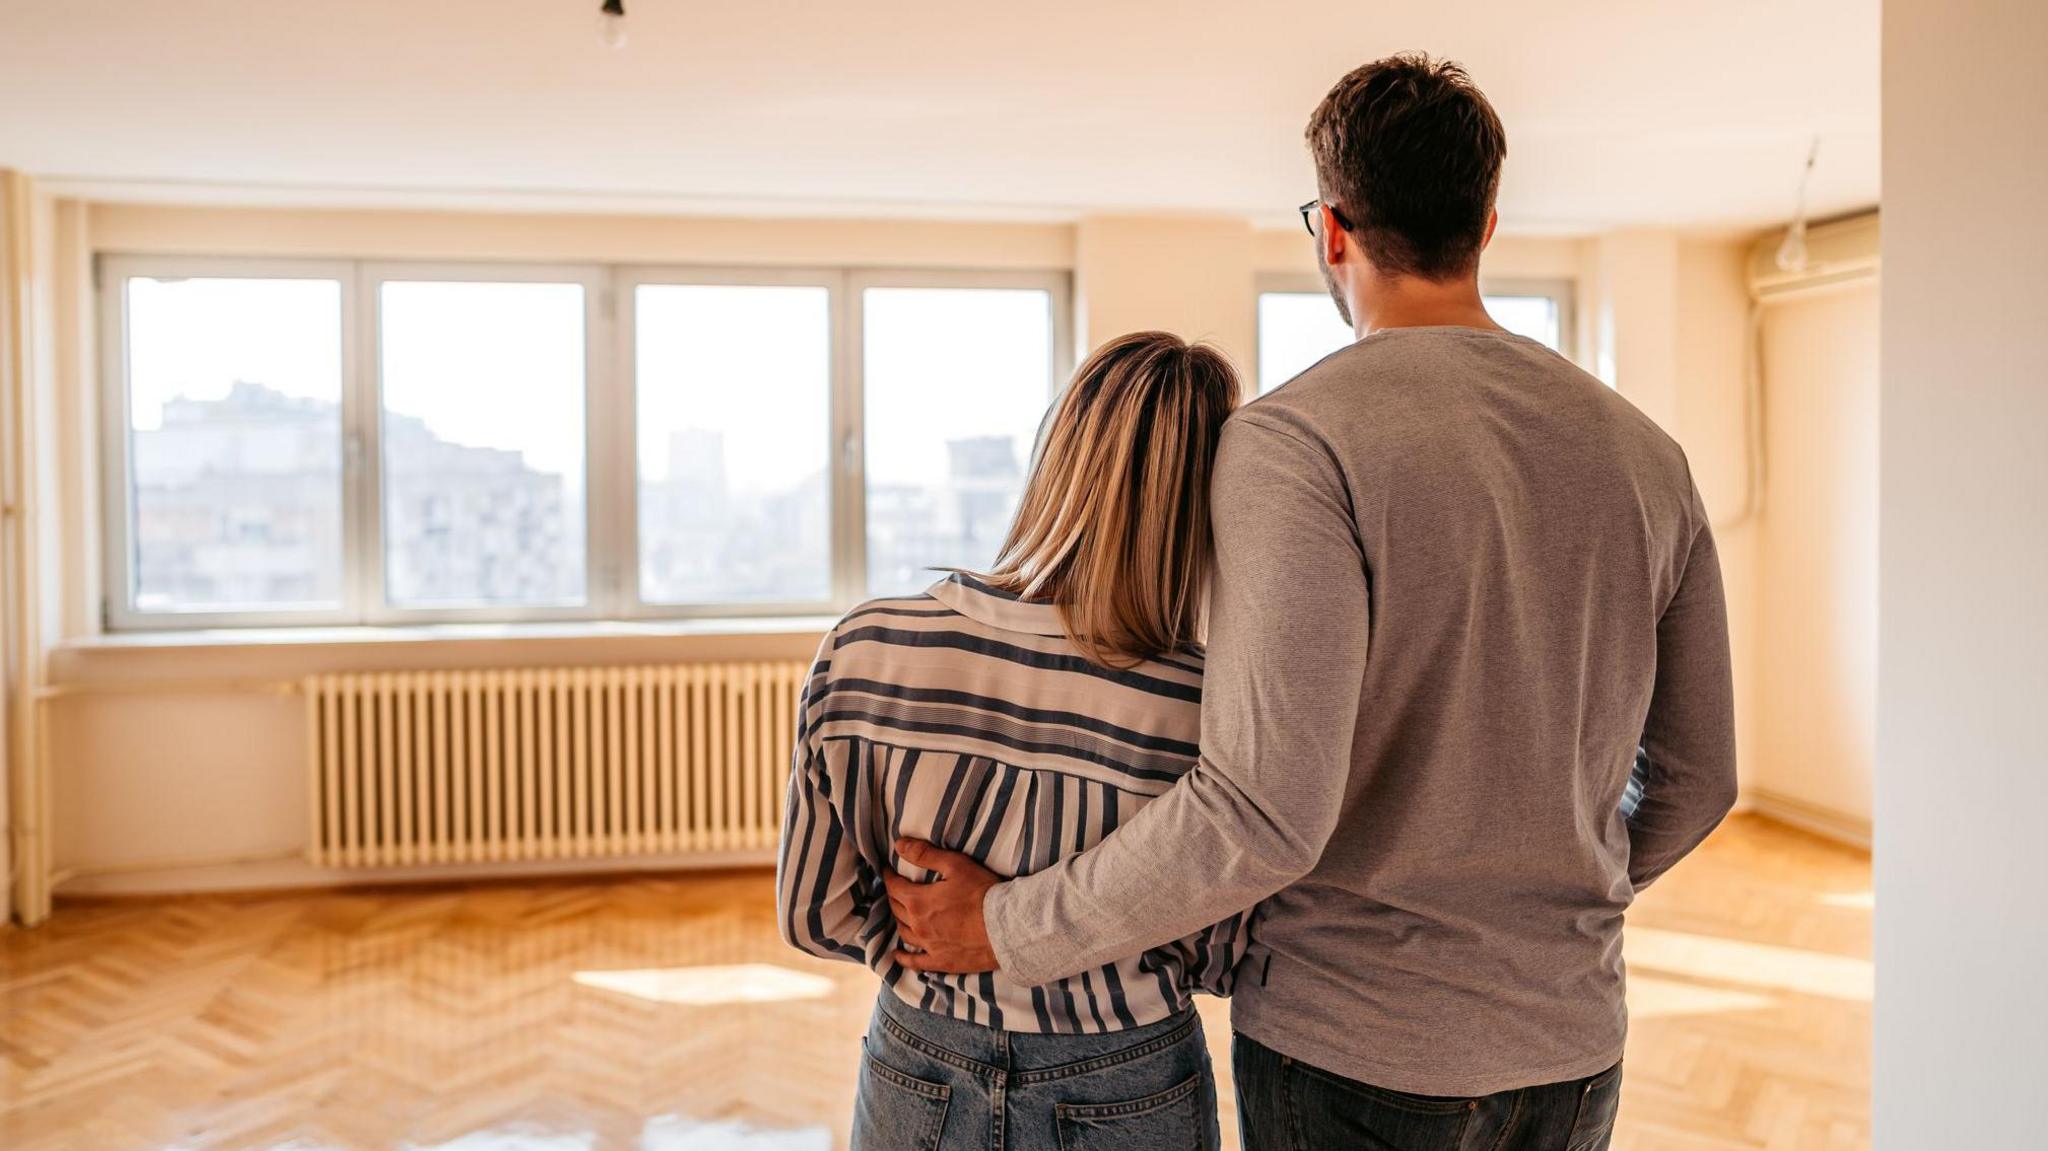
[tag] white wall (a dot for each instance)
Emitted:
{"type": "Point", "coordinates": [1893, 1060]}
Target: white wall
{"type": "Point", "coordinates": [1816, 635]}
{"type": "Point", "coordinates": [1962, 744]}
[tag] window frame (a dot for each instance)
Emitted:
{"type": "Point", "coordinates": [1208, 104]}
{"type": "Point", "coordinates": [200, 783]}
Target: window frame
{"type": "Point", "coordinates": [626, 415]}
{"type": "Point", "coordinates": [368, 562]}
{"type": "Point", "coordinates": [117, 464]}
{"type": "Point", "coordinates": [1561, 291]}
{"type": "Point", "coordinates": [1059, 300]}
{"type": "Point", "coordinates": [611, 400]}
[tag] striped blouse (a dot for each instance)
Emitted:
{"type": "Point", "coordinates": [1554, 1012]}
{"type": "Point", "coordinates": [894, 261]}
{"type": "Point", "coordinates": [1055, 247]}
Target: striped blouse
{"type": "Point", "coordinates": [966, 717]}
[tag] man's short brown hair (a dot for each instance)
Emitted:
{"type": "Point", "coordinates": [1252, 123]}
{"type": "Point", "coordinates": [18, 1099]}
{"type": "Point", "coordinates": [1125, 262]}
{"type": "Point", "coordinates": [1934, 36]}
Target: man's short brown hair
{"type": "Point", "coordinates": [1408, 151]}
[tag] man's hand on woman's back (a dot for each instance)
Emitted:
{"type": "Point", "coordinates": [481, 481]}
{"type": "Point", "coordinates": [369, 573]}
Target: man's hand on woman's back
{"type": "Point", "coordinates": [942, 919]}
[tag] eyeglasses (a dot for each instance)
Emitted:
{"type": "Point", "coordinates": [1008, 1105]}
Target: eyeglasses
{"type": "Point", "coordinates": [1308, 216]}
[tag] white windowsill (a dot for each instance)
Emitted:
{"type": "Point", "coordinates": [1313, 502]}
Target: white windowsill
{"type": "Point", "coordinates": [241, 659]}
{"type": "Point", "coordinates": [446, 632]}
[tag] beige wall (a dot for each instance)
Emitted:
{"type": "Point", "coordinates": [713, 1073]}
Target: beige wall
{"type": "Point", "coordinates": [1190, 276]}
{"type": "Point", "coordinates": [415, 235]}
{"type": "Point", "coordinates": [1708, 329]}
{"type": "Point", "coordinates": [1663, 318]}
{"type": "Point", "coordinates": [201, 785]}
{"type": "Point", "coordinates": [1817, 625]}
{"type": "Point", "coordinates": [1962, 744]}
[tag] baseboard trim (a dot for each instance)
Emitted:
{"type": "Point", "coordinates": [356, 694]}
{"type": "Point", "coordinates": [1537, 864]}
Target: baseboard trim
{"type": "Point", "coordinates": [293, 874]}
{"type": "Point", "coordinates": [1821, 820]}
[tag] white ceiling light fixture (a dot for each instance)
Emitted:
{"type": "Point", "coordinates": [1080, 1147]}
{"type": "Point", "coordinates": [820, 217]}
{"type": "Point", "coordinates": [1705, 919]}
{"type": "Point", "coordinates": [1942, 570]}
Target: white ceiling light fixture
{"type": "Point", "coordinates": [1792, 253]}
{"type": "Point", "coordinates": [611, 24]}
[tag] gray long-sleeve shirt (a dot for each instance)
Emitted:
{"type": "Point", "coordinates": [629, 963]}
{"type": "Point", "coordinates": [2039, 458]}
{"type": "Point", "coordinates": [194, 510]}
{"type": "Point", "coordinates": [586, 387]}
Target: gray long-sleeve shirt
{"type": "Point", "coordinates": [1457, 580]}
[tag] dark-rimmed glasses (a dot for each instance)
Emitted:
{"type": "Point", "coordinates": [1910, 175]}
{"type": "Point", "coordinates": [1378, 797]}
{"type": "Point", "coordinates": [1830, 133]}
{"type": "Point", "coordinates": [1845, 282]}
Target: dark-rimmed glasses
{"type": "Point", "coordinates": [1308, 216]}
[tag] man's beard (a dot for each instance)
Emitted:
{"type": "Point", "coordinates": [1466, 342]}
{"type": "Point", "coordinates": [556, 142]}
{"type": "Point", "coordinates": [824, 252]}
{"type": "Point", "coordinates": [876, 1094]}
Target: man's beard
{"type": "Point", "coordinates": [1330, 282]}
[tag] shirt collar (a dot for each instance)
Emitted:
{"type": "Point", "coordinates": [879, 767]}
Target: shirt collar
{"type": "Point", "coordinates": [996, 608]}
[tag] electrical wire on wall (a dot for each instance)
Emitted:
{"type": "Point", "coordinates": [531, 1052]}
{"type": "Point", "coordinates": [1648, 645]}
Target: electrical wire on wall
{"type": "Point", "coordinates": [1792, 251]}
{"type": "Point", "coordinates": [1791, 257]}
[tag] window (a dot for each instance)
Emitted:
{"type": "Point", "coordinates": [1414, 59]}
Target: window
{"type": "Point", "coordinates": [956, 382]}
{"type": "Point", "coordinates": [733, 395]}
{"type": "Point", "coordinates": [1295, 330]}
{"type": "Point", "coordinates": [1299, 325]}
{"type": "Point", "coordinates": [229, 424]}
{"type": "Point", "coordinates": [481, 389]}
{"type": "Point", "coordinates": [504, 443]}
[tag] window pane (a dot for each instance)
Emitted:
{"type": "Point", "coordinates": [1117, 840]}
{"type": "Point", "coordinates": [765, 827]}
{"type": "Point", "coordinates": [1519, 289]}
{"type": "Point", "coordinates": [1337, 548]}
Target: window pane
{"type": "Point", "coordinates": [234, 407]}
{"type": "Point", "coordinates": [483, 443]}
{"type": "Point", "coordinates": [956, 382]}
{"type": "Point", "coordinates": [734, 415]}
{"type": "Point", "coordinates": [1298, 328]}
{"type": "Point", "coordinates": [1295, 330]}
{"type": "Point", "coordinates": [1531, 316]}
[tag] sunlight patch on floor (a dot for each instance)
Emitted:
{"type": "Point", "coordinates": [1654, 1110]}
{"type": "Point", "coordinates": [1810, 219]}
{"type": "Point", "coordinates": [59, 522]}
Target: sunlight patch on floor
{"type": "Point", "coordinates": [1721, 960]}
{"type": "Point", "coordinates": [1652, 998]}
{"type": "Point", "coordinates": [709, 986]}
{"type": "Point", "coordinates": [514, 1138]}
{"type": "Point", "coordinates": [1854, 900]}
{"type": "Point", "coordinates": [675, 1133]}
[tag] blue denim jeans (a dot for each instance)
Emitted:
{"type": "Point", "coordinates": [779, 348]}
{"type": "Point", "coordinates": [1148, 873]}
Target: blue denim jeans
{"type": "Point", "coordinates": [933, 1083]}
{"type": "Point", "coordinates": [1284, 1104]}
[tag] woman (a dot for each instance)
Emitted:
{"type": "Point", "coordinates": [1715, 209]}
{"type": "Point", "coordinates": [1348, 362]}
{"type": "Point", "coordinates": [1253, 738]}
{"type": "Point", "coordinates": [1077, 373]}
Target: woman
{"type": "Point", "coordinates": [1020, 716]}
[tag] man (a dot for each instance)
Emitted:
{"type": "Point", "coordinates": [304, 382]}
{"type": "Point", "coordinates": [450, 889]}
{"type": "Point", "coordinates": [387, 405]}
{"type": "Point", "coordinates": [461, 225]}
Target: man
{"type": "Point", "coordinates": [1457, 580]}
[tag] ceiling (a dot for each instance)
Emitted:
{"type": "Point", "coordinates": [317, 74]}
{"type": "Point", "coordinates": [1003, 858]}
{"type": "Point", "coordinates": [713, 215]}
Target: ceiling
{"type": "Point", "coordinates": [1619, 112]}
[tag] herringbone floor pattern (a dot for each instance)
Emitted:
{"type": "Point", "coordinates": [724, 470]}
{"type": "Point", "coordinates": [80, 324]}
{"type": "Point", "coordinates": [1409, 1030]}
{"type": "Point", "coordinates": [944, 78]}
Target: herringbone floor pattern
{"type": "Point", "coordinates": [662, 1014]}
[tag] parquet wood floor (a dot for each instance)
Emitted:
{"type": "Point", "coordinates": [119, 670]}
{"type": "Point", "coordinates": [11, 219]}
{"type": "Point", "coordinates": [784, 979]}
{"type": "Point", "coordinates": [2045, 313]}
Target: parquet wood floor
{"type": "Point", "coordinates": [662, 1014]}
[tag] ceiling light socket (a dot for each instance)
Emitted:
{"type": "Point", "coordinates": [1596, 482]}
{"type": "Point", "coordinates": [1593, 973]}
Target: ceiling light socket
{"type": "Point", "coordinates": [611, 24]}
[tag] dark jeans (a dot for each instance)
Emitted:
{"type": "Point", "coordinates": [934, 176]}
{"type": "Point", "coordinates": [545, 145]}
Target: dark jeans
{"type": "Point", "coordinates": [1284, 1104]}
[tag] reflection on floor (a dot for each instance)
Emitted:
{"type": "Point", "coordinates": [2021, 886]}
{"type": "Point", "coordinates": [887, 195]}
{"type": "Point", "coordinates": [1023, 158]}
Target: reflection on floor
{"type": "Point", "coordinates": [664, 1015]}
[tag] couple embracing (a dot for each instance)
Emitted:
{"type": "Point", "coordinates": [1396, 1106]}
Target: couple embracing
{"type": "Point", "coordinates": [1465, 691]}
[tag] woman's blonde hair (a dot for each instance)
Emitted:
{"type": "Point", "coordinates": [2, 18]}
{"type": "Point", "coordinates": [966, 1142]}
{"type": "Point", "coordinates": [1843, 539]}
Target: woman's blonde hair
{"type": "Point", "coordinates": [1113, 527]}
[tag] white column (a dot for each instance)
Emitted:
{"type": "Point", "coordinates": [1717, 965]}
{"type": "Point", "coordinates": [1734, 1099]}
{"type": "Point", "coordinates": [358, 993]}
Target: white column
{"type": "Point", "coordinates": [1962, 727]}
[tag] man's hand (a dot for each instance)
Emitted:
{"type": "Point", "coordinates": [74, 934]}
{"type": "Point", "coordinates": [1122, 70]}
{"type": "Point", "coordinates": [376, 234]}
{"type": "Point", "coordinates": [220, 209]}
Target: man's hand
{"type": "Point", "coordinates": [941, 919]}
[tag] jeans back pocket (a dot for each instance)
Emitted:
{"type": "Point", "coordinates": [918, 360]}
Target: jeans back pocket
{"type": "Point", "coordinates": [1171, 1120]}
{"type": "Point", "coordinates": [893, 1111]}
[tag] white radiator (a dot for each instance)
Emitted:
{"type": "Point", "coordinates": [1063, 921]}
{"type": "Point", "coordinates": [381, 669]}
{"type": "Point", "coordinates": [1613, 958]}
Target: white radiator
{"type": "Point", "coordinates": [547, 763]}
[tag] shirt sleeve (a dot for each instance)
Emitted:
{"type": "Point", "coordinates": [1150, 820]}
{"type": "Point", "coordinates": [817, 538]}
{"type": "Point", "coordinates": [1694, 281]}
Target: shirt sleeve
{"type": "Point", "coordinates": [1687, 761]}
{"type": "Point", "coordinates": [1212, 958]}
{"type": "Point", "coordinates": [1287, 646]}
{"type": "Point", "coordinates": [824, 890]}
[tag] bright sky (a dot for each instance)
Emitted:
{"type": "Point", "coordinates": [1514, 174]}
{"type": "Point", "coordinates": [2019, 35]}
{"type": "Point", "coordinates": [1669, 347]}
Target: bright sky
{"type": "Point", "coordinates": [490, 365]}
{"type": "Point", "coordinates": [197, 337]}
{"type": "Point", "coordinates": [947, 363]}
{"type": "Point", "coordinates": [752, 363]}
{"type": "Point", "coordinates": [502, 365]}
